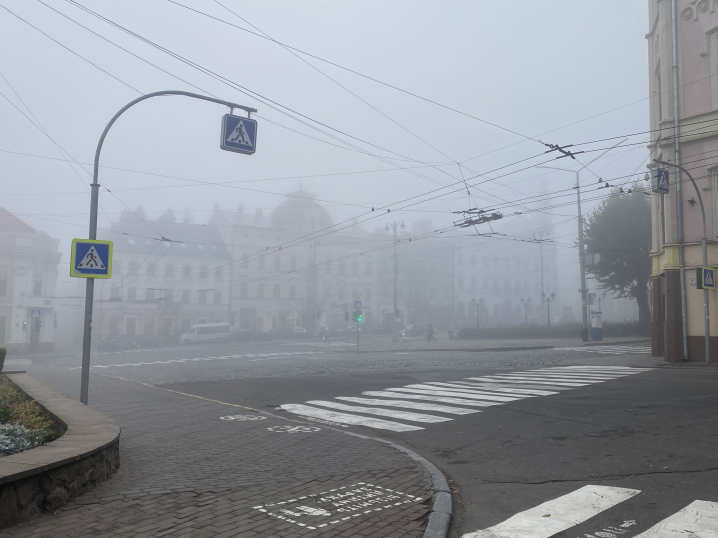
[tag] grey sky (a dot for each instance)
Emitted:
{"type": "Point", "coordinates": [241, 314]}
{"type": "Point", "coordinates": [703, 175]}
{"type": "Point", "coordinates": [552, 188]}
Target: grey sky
{"type": "Point", "coordinates": [531, 67]}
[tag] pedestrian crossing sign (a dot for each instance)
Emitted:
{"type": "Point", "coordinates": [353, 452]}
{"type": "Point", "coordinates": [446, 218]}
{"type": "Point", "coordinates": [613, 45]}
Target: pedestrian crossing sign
{"type": "Point", "coordinates": [706, 278]}
{"type": "Point", "coordinates": [659, 181]}
{"type": "Point", "coordinates": [239, 134]}
{"type": "Point", "coordinates": [90, 258]}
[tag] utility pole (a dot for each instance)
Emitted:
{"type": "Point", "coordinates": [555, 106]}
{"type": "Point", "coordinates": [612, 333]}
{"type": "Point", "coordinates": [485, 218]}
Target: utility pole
{"type": "Point", "coordinates": [526, 304]}
{"type": "Point", "coordinates": [395, 317]}
{"type": "Point", "coordinates": [548, 300]}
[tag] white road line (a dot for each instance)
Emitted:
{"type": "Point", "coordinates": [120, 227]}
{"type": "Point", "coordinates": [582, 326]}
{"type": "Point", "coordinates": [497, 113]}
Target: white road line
{"type": "Point", "coordinates": [494, 388]}
{"type": "Point", "coordinates": [345, 418]}
{"type": "Point", "coordinates": [549, 377]}
{"type": "Point", "coordinates": [509, 382]}
{"type": "Point", "coordinates": [697, 520]}
{"type": "Point", "coordinates": [436, 391]}
{"type": "Point", "coordinates": [198, 359]}
{"type": "Point", "coordinates": [473, 390]}
{"type": "Point", "coordinates": [411, 405]}
{"type": "Point", "coordinates": [404, 415]}
{"type": "Point", "coordinates": [429, 398]}
{"type": "Point", "coordinates": [566, 373]}
{"type": "Point", "coordinates": [537, 381]}
{"type": "Point", "coordinates": [558, 514]}
{"type": "Point", "coordinates": [623, 369]}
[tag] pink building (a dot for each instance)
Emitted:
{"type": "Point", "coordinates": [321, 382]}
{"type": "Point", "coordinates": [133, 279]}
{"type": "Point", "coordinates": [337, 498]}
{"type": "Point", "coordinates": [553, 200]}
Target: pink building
{"type": "Point", "coordinates": [693, 94]}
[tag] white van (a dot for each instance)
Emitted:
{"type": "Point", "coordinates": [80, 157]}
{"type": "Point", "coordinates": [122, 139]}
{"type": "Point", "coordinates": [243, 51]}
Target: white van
{"type": "Point", "coordinates": [208, 332]}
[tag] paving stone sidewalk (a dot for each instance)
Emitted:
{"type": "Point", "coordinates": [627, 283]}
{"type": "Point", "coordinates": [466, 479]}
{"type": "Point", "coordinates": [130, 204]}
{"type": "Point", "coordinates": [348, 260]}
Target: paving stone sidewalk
{"type": "Point", "coordinates": [187, 472]}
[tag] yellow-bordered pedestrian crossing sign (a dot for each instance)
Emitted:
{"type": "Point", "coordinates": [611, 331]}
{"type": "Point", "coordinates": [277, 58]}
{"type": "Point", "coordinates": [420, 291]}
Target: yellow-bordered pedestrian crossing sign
{"type": "Point", "coordinates": [91, 258]}
{"type": "Point", "coordinates": [706, 278]}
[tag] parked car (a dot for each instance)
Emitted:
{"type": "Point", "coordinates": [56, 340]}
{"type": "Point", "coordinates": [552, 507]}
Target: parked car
{"type": "Point", "coordinates": [417, 329]}
{"type": "Point", "coordinates": [208, 332]}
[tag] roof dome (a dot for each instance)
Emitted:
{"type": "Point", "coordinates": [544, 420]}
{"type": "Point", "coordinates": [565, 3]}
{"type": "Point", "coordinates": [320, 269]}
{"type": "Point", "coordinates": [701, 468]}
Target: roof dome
{"type": "Point", "coordinates": [300, 212]}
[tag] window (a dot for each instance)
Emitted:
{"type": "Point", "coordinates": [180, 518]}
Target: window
{"type": "Point", "coordinates": [169, 269]}
{"type": "Point", "coordinates": [218, 296]}
{"type": "Point", "coordinates": [496, 283]}
{"type": "Point", "coordinates": [342, 267]}
{"type": "Point", "coordinates": [117, 267]}
{"type": "Point", "coordinates": [185, 296]}
{"type": "Point", "coordinates": [473, 260]}
{"type": "Point", "coordinates": [261, 261]}
{"type": "Point", "coordinates": [260, 291]}
{"type": "Point", "coordinates": [133, 267]}
{"type": "Point", "coordinates": [486, 283]}
{"type": "Point", "coordinates": [367, 267]}
{"type": "Point", "coordinates": [149, 295]}
{"type": "Point", "coordinates": [460, 259]}
{"type": "Point", "coordinates": [168, 295]}
{"type": "Point", "coordinates": [218, 273]}
{"type": "Point", "coordinates": [518, 265]}
{"type": "Point", "coordinates": [115, 293]}
{"type": "Point", "coordinates": [328, 267]}
{"type": "Point", "coordinates": [341, 294]}
{"type": "Point", "coordinates": [327, 292]}
{"type": "Point", "coordinates": [243, 290]}
{"type": "Point", "coordinates": [277, 263]}
{"type": "Point", "coordinates": [151, 268]}
{"type": "Point", "coordinates": [292, 291]}
{"type": "Point", "coordinates": [311, 263]}
{"type": "Point", "coordinates": [131, 294]}
{"type": "Point", "coordinates": [385, 291]}
{"type": "Point", "coordinates": [202, 296]}
{"type": "Point", "coordinates": [461, 282]}
{"type": "Point", "coordinates": [473, 282]}
{"type": "Point", "coordinates": [311, 291]}
{"type": "Point", "coordinates": [245, 259]}
{"type": "Point", "coordinates": [518, 285]}
{"type": "Point", "coordinates": [293, 263]}
{"type": "Point", "coordinates": [486, 262]}
{"type": "Point", "coordinates": [37, 285]}
{"type": "Point", "coordinates": [355, 269]}
{"type": "Point", "coordinates": [203, 272]}
{"type": "Point", "coordinates": [526, 285]}
{"type": "Point", "coordinates": [367, 295]}
{"type": "Point", "coordinates": [276, 290]}
{"type": "Point", "coordinates": [186, 269]}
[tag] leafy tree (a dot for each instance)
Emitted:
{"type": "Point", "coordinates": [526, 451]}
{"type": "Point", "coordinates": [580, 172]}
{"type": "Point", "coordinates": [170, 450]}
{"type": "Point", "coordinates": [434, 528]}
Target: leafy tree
{"type": "Point", "coordinates": [620, 231]}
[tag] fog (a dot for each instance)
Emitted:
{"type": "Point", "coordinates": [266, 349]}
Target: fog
{"type": "Point", "coordinates": [516, 74]}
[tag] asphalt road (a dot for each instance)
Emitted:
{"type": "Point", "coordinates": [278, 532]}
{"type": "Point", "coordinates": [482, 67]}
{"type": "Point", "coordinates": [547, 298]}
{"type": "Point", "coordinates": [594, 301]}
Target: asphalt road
{"type": "Point", "coordinates": [652, 432]}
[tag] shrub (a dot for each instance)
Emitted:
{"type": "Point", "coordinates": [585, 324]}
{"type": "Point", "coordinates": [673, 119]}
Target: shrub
{"type": "Point", "coordinates": [15, 438]}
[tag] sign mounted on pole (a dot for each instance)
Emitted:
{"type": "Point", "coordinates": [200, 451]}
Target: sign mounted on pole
{"type": "Point", "coordinates": [35, 314]}
{"type": "Point", "coordinates": [659, 181]}
{"type": "Point", "coordinates": [357, 304]}
{"type": "Point", "coordinates": [91, 258]}
{"type": "Point", "coordinates": [239, 134]}
{"type": "Point", "coordinates": [706, 278]}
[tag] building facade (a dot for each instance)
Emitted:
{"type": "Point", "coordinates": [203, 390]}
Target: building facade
{"type": "Point", "coordinates": [28, 275]}
{"type": "Point", "coordinates": [696, 148]}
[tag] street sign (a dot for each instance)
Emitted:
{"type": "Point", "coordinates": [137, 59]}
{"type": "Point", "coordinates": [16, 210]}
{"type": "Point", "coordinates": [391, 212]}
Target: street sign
{"type": "Point", "coordinates": [238, 134]}
{"type": "Point", "coordinates": [706, 278]}
{"type": "Point", "coordinates": [35, 314]}
{"type": "Point", "coordinates": [344, 306]}
{"type": "Point", "coordinates": [90, 258]}
{"type": "Point", "coordinates": [357, 304]}
{"type": "Point", "coordinates": [659, 181]}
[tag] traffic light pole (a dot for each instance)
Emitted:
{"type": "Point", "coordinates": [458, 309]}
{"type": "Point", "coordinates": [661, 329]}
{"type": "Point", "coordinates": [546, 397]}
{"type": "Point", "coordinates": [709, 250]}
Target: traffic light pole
{"type": "Point", "coordinates": [94, 202]}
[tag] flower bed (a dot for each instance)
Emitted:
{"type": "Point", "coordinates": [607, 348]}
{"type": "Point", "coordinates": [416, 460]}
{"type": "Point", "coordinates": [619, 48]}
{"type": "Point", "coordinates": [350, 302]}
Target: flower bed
{"type": "Point", "coordinates": [24, 424]}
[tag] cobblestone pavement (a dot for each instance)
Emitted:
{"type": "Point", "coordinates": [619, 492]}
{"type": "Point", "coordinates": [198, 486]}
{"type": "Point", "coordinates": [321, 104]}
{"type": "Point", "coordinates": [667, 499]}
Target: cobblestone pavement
{"type": "Point", "coordinates": [187, 472]}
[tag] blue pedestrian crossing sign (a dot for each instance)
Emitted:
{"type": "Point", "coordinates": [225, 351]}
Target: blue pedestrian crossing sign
{"type": "Point", "coordinates": [91, 258]}
{"type": "Point", "coordinates": [239, 134]}
{"type": "Point", "coordinates": [357, 304]}
{"type": "Point", "coordinates": [706, 278]}
{"type": "Point", "coordinates": [659, 181]}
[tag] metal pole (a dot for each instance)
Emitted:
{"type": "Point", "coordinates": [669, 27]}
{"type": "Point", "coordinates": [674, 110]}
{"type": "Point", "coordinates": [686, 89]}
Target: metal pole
{"type": "Point", "coordinates": [679, 190]}
{"type": "Point", "coordinates": [704, 243]}
{"type": "Point", "coordinates": [549, 311]}
{"type": "Point", "coordinates": [582, 261]}
{"type": "Point", "coordinates": [94, 200]}
{"type": "Point", "coordinates": [395, 335]}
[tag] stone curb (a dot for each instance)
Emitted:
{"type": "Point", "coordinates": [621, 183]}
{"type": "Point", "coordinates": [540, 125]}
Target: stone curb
{"type": "Point", "coordinates": [644, 341]}
{"type": "Point", "coordinates": [49, 476]}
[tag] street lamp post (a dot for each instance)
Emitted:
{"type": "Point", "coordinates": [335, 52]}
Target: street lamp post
{"type": "Point", "coordinates": [548, 300]}
{"type": "Point", "coordinates": [479, 304]}
{"type": "Point", "coordinates": [526, 304]}
{"type": "Point", "coordinates": [94, 201]}
{"type": "Point", "coordinates": [704, 242]}
{"type": "Point", "coordinates": [395, 317]}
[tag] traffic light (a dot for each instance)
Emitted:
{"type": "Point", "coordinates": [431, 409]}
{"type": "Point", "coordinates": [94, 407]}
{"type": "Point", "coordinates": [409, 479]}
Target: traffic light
{"type": "Point", "coordinates": [356, 316]}
{"type": "Point", "coordinates": [38, 325]}
{"type": "Point", "coordinates": [24, 326]}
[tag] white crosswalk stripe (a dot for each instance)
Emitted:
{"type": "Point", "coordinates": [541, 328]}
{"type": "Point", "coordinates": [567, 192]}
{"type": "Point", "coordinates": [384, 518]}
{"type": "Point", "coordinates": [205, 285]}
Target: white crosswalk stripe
{"type": "Point", "coordinates": [697, 520]}
{"type": "Point", "coordinates": [464, 395]}
{"type": "Point", "coordinates": [610, 350]}
{"type": "Point", "coordinates": [565, 512]}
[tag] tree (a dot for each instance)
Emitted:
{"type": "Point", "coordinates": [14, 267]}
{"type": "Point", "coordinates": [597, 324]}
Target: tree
{"type": "Point", "coordinates": [620, 231]}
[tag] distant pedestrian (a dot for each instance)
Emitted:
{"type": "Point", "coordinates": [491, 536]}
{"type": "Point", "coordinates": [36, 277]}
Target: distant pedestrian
{"type": "Point", "coordinates": [325, 336]}
{"type": "Point", "coordinates": [430, 334]}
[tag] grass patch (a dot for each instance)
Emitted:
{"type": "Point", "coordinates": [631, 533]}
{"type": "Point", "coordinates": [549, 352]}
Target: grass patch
{"type": "Point", "coordinates": [24, 424]}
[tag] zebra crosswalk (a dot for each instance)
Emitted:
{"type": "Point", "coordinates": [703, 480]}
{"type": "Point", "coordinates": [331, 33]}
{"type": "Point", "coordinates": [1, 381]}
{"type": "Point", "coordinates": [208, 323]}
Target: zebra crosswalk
{"type": "Point", "coordinates": [425, 403]}
{"type": "Point", "coordinates": [699, 519]}
{"type": "Point", "coordinates": [610, 350]}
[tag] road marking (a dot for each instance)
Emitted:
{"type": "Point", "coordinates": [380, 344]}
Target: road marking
{"type": "Point", "coordinates": [510, 385]}
{"type": "Point", "coordinates": [411, 405]}
{"type": "Point", "coordinates": [242, 418]}
{"type": "Point", "coordinates": [610, 350]}
{"type": "Point", "coordinates": [436, 391]}
{"type": "Point", "coordinates": [506, 379]}
{"type": "Point", "coordinates": [495, 388]}
{"type": "Point", "coordinates": [293, 429]}
{"type": "Point", "coordinates": [477, 390]}
{"type": "Point", "coordinates": [559, 514]}
{"type": "Point", "coordinates": [458, 401]}
{"type": "Point", "coordinates": [404, 415]}
{"type": "Point", "coordinates": [569, 374]}
{"type": "Point", "coordinates": [349, 419]}
{"type": "Point", "coordinates": [200, 359]}
{"type": "Point", "coordinates": [697, 520]}
{"type": "Point", "coordinates": [563, 380]}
